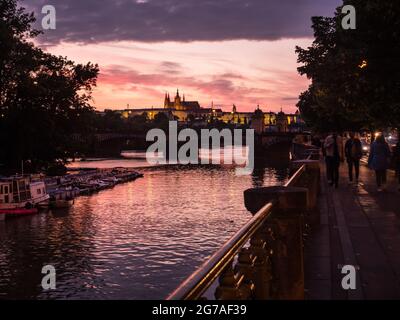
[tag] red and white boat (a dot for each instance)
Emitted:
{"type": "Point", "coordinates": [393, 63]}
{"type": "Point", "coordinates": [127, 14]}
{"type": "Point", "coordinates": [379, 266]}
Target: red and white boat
{"type": "Point", "coordinates": [20, 195]}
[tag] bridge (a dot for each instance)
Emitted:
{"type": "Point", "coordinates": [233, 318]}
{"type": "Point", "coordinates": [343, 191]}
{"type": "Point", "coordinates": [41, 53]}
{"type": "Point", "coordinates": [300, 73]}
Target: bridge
{"type": "Point", "coordinates": [111, 144]}
{"type": "Point", "coordinates": [269, 139]}
{"type": "Point", "coordinates": [101, 137]}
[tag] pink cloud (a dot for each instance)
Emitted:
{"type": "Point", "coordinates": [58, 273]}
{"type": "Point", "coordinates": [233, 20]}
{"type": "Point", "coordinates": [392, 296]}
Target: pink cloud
{"type": "Point", "coordinates": [244, 73]}
{"type": "Point", "coordinates": [222, 89]}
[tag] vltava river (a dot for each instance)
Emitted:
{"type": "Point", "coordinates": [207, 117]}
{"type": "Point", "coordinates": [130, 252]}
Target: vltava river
{"type": "Point", "coordinates": [138, 240]}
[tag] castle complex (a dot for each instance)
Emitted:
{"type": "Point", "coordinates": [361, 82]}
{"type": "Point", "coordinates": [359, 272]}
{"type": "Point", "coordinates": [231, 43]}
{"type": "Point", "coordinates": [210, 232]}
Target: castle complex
{"type": "Point", "coordinates": [190, 111]}
{"type": "Point", "coordinates": [180, 104]}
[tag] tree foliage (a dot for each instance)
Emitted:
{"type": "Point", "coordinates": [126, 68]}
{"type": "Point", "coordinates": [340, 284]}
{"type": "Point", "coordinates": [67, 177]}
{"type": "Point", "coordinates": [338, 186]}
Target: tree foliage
{"type": "Point", "coordinates": [42, 97]}
{"type": "Point", "coordinates": [355, 73]}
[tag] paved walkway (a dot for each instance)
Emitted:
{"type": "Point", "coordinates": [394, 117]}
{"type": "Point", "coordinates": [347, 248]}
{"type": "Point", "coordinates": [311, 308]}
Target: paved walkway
{"type": "Point", "coordinates": [360, 227]}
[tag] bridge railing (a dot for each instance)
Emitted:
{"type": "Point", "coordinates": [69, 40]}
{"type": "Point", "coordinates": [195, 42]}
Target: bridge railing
{"type": "Point", "coordinates": [264, 259]}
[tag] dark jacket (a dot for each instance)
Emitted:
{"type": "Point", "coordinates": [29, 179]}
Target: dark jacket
{"type": "Point", "coordinates": [353, 149]}
{"type": "Point", "coordinates": [379, 156]}
{"type": "Point", "coordinates": [396, 155]}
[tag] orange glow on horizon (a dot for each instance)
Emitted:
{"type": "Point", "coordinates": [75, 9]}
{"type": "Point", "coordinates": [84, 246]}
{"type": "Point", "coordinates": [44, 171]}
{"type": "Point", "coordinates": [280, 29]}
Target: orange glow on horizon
{"type": "Point", "coordinates": [244, 73]}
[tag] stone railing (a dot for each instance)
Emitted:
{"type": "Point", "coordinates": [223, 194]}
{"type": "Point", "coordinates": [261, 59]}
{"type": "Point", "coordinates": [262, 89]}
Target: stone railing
{"type": "Point", "coordinates": [264, 259]}
{"type": "Point", "coordinates": [304, 151]}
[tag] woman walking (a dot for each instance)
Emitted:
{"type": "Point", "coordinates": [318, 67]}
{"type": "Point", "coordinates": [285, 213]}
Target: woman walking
{"type": "Point", "coordinates": [379, 160]}
{"type": "Point", "coordinates": [396, 156]}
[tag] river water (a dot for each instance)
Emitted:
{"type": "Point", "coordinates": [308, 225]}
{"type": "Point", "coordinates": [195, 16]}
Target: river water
{"type": "Point", "coordinates": [138, 240]}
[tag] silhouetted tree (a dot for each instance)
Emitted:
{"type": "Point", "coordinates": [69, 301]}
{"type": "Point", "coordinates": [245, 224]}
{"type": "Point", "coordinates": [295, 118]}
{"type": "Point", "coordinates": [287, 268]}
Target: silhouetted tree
{"type": "Point", "coordinates": [355, 73]}
{"type": "Point", "coordinates": [42, 97]}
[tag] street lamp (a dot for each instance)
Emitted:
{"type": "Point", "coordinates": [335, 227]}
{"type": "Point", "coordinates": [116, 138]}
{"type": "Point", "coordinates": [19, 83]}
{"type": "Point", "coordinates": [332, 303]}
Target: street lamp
{"type": "Point", "coordinates": [363, 64]}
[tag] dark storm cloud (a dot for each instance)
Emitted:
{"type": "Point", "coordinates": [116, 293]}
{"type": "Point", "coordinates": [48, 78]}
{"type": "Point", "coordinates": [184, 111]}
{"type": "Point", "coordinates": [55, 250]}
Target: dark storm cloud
{"type": "Point", "coordinates": [168, 67]}
{"type": "Point", "coordinates": [180, 20]}
{"type": "Point", "coordinates": [290, 98]}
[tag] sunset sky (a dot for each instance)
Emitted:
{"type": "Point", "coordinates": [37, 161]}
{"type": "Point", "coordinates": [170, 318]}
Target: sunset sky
{"type": "Point", "coordinates": [227, 51]}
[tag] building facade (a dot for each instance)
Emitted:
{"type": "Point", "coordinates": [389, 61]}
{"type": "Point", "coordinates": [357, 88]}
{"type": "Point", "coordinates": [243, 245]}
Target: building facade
{"type": "Point", "coordinates": [190, 111]}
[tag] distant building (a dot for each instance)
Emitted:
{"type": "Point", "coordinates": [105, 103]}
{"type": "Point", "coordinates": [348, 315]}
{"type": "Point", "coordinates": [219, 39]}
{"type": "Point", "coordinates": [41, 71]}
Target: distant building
{"type": "Point", "coordinates": [282, 122]}
{"type": "Point", "coordinates": [258, 121]}
{"type": "Point", "coordinates": [190, 111]}
{"type": "Point", "coordinates": [180, 104]}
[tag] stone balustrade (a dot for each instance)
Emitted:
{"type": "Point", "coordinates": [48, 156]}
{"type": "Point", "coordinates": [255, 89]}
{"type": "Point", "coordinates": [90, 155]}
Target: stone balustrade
{"type": "Point", "coordinates": [264, 259]}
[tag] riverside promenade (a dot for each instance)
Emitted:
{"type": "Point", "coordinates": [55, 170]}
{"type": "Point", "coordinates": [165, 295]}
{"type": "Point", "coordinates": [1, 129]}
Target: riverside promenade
{"type": "Point", "coordinates": [360, 227]}
{"type": "Point", "coordinates": [300, 237]}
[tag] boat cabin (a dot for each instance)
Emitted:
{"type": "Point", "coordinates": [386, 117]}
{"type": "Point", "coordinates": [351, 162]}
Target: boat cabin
{"type": "Point", "coordinates": [17, 192]}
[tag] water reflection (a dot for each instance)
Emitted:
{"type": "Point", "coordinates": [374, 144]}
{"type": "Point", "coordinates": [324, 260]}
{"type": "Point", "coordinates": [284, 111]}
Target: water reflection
{"type": "Point", "coordinates": [138, 240]}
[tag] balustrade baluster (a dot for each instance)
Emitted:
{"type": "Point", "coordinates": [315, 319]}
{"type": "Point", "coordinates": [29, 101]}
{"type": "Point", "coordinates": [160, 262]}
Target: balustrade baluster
{"type": "Point", "coordinates": [228, 288]}
{"type": "Point", "coordinates": [246, 267]}
{"type": "Point", "coordinates": [262, 268]}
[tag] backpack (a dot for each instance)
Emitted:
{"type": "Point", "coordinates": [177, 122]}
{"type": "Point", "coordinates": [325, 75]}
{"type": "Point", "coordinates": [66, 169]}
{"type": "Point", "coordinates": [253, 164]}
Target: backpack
{"type": "Point", "coordinates": [355, 149]}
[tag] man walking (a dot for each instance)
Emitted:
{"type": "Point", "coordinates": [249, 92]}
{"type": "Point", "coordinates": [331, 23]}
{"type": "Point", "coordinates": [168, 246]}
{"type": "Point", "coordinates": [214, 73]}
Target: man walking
{"type": "Point", "coordinates": [353, 153]}
{"type": "Point", "coordinates": [379, 158]}
{"type": "Point", "coordinates": [334, 154]}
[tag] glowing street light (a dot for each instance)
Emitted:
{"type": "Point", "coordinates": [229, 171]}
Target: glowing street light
{"type": "Point", "coordinates": [363, 64]}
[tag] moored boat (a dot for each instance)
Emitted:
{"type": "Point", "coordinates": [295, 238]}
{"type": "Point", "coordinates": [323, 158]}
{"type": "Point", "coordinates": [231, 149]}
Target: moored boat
{"type": "Point", "coordinates": [18, 212]}
{"type": "Point", "coordinates": [100, 184]}
{"type": "Point", "coordinates": [20, 195]}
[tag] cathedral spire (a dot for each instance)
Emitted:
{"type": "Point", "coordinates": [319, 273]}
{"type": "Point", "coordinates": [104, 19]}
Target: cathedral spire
{"type": "Point", "coordinates": [177, 101]}
{"type": "Point", "coordinates": [166, 100]}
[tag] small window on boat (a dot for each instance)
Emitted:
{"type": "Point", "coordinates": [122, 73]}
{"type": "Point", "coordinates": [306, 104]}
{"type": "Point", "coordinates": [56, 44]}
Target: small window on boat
{"type": "Point", "coordinates": [23, 196]}
{"type": "Point", "coordinates": [15, 188]}
{"type": "Point", "coordinates": [6, 189]}
{"type": "Point", "coordinates": [39, 191]}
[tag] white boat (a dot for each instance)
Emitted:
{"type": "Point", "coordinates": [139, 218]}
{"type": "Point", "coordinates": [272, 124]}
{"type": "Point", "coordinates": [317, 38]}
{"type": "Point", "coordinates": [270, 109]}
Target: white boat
{"type": "Point", "coordinates": [22, 192]}
{"type": "Point", "coordinates": [140, 155]}
{"type": "Point", "coordinates": [111, 180]}
{"type": "Point", "coordinates": [99, 184]}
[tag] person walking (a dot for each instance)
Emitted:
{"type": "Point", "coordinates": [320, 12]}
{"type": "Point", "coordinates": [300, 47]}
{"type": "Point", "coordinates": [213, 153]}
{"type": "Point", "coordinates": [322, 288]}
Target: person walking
{"type": "Point", "coordinates": [333, 155]}
{"type": "Point", "coordinates": [353, 153]}
{"type": "Point", "coordinates": [379, 160]}
{"type": "Point", "coordinates": [396, 158]}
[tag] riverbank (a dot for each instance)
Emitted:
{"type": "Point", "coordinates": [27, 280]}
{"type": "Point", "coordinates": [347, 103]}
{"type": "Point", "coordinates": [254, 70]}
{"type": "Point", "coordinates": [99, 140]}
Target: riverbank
{"type": "Point", "coordinates": [137, 240]}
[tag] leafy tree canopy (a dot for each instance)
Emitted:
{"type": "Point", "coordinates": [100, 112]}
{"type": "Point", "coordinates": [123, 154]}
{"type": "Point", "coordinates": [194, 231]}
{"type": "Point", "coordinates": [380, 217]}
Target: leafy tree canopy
{"type": "Point", "coordinates": [355, 73]}
{"type": "Point", "coordinates": [42, 97]}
